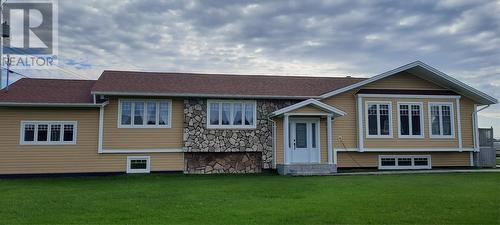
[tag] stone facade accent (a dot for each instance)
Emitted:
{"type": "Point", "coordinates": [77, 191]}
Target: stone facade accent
{"type": "Point", "coordinates": [197, 138]}
{"type": "Point", "coordinates": [222, 162]}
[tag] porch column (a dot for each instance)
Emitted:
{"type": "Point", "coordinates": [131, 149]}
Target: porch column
{"type": "Point", "coordinates": [285, 138]}
{"type": "Point", "coordinates": [329, 138]}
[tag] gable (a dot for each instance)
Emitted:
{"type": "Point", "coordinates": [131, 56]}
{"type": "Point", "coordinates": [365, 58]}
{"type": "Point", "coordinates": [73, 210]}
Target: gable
{"type": "Point", "coordinates": [403, 80]}
{"type": "Point", "coordinates": [308, 109]}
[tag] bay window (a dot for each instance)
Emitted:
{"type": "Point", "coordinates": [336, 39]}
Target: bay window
{"type": "Point", "coordinates": [231, 114]}
{"type": "Point", "coordinates": [378, 119]}
{"type": "Point", "coordinates": [441, 120]}
{"type": "Point", "coordinates": [144, 113]}
{"type": "Point", "coordinates": [48, 132]}
{"type": "Point", "coordinates": [410, 120]}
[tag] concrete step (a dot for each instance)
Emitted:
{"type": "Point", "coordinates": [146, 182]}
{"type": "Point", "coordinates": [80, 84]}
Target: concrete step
{"type": "Point", "coordinates": [307, 169]}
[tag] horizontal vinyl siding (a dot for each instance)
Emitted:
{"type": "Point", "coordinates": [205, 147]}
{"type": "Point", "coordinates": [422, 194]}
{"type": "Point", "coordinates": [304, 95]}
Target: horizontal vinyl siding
{"type": "Point", "coordinates": [403, 80]}
{"type": "Point", "coordinates": [142, 138]}
{"type": "Point", "coordinates": [79, 158]}
{"type": "Point", "coordinates": [370, 159]}
{"type": "Point", "coordinates": [307, 109]}
{"type": "Point", "coordinates": [344, 126]}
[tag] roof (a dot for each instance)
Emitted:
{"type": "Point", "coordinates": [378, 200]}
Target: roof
{"type": "Point", "coordinates": [217, 85]}
{"type": "Point", "coordinates": [429, 73]}
{"type": "Point", "coordinates": [313, 102]}
{"type": "Point", "coordinates": [57, 91]}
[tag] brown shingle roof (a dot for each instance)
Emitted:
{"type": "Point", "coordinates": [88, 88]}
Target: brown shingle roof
{"type": "Point", "coordinates": [29, 90]}
{"type": "Point", "coordinates": [217, 84]}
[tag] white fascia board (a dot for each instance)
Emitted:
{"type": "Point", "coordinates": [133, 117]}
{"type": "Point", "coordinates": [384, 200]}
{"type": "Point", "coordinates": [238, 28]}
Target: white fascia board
{"type": "Point", "coordinates": [315, 102]}
{"type": "Point", "coordinates": [407, 150]}
{"type": "Point", "coordinates": [201, 95]}
{"type": "Point", "coordinates": [125, 151]}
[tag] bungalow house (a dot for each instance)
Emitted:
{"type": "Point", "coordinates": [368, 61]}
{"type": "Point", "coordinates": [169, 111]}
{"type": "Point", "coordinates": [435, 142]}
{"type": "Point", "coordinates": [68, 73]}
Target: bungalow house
{"type": "Point", "coordinates": [412, 117]}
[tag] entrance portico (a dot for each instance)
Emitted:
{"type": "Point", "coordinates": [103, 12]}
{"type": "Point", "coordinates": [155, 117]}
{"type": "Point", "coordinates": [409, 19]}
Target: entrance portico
{"type": "Point", "coordinates": [306, 138]}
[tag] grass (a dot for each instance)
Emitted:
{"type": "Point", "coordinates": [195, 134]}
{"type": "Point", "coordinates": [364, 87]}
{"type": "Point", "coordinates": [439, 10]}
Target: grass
{"type": "Point", "coordinates": [253, 199]}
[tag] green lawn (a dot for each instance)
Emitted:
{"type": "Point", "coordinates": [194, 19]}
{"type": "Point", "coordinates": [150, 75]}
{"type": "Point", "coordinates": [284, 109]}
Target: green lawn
{"type": "Point", "coordinates": [253, 199]}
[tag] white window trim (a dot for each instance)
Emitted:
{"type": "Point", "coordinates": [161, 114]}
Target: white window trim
{"type": "Point", "coordinates": [411, 124]}
{"type": "Point", "coordinates": [378, 120]}
{"type": "Point", "coordinates": [412, 167]}
{"type": "Point", "coordinates": [452, 115]}
{"type": "Point", "coordinates": [144, 125]}
{"type": "Point", "coordinates": [220, 126]}
{"type": "Point", "coordinates": [148, 164]}
{"type": "Point", "coordinates": [49, 123]}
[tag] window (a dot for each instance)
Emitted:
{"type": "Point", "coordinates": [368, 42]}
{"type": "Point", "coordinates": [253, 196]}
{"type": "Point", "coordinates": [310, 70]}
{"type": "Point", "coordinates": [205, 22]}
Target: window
{"type": "Point", "coordinates": [441, 122]}
{"type": "Point", "coordinates": [48, 132]}
{"type": "Point", "coordinates": [378, 119]}
{"type": "Point", "coordinates": [404, 162]}
{"type": "Point", "coordinates": [410, 120]}
{"type": "Point", "coordinates": [138, 164]}
{"type": "Point", "coordinates": [231, 114]}
{"type": "Point", "coordinates": [144, 114]}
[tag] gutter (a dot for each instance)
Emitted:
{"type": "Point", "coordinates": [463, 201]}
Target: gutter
{"type": "Point", "coordinates": [202, 95]}
{"type": "Point", "coordinates": [62, 105]}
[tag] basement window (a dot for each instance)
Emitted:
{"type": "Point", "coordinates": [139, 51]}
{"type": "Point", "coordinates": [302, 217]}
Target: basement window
{"type": "Point", "coordinates": [48, 132]}
{"type": "Point", "coordinates": [405, 162]}
{"type": "Point", "coordinates": [138, 164]}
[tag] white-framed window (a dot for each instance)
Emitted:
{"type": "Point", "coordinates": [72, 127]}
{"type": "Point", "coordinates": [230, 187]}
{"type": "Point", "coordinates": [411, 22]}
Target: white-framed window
{"type": "Point", "coordinates": [48, 132]}
{"type": "Point", "coordinates": [138, 164]}
{"type": "Point", "coordinates": [441, 120]}
{"type": "Point", "coordinates": [393, 162]}
{"type": "Point", "coordinates": [378, 117]}
{"type": "Point", "coordinates": [229, 114]}
{"type": "Point", "coordinates": [139, 113]}
{"type": "Point", "coordinates": [410, 120]}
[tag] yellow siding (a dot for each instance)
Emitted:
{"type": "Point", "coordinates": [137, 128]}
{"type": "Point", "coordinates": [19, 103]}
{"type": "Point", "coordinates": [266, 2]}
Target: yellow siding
{"type": "Point", "coordinates": [370, 159]}
{"type": "Point", "coordinates": [81, 157]}
{"type": "Point", "coordinates": [344, 127]}
{"type": "Point", "coordinates": [142, 138]}
{"type": "Point", "coordinates": [307, 109]}
{"type": "Point", "coordinates": [403, 80]}
{"type": "Point", "coordinates": [466, 109]}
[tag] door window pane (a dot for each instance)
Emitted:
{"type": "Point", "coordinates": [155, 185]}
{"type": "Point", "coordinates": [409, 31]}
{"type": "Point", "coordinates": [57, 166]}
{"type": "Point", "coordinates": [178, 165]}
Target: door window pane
{"type": "Point", "coordinates": [151, 113]}
{"type": "Point", "coordinates": [249, 120]}
{"type": "Point", "coordinates": [163, 114]}
{"type": "Point", "coordinates": [301, 135]}
{"type": "Point", "coordinates": [55, 132]}
{"type": "Point", "coordinates": [237, 120]}
{"type": "Point", "coordinates": [214, 113]}
{"type": "Point", "coordinates": [226, 113]}
{"type": "Point", "coordinates": [68, 132]}
{"type": "Point", "coordinates": [126, 111]}
{"type": "Point", "coordinates": [138, 113]}
{"type": "Point", "coordinates": [29, 132]}
{"type": "Point", "coordinates": [313, 134]}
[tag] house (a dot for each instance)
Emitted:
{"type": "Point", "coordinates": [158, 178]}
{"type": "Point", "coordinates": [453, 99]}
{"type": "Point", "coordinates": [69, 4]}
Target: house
{"type": "Point", "coordinates": [412, 117]}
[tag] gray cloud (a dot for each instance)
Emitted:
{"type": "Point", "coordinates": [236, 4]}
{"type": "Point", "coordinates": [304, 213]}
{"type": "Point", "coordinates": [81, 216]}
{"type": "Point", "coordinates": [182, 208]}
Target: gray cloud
{"type": "Point", "coordinates": [360, 38]}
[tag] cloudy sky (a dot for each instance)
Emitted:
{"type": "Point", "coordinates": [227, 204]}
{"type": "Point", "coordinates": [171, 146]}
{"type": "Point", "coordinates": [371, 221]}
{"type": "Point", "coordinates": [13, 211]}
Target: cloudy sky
{"type": "Point", "coordinates": [320, 38]}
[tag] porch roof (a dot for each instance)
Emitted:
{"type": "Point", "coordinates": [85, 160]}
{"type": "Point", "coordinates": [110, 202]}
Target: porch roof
{"type": "Point", "coordinates": [313, 102]}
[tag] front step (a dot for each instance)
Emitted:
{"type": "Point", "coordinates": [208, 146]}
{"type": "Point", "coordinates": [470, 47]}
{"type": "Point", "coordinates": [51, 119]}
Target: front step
{"type": "Point", "coordinates": [307, 169]}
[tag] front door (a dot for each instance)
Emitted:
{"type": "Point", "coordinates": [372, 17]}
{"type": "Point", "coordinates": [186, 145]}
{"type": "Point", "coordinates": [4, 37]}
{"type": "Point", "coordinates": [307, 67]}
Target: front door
{"type": "Point", "coordinates": [304, 140]}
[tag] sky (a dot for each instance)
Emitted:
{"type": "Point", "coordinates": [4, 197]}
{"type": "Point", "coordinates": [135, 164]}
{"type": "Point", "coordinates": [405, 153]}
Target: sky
{"type": "Point", "coordinates": [319, 38]}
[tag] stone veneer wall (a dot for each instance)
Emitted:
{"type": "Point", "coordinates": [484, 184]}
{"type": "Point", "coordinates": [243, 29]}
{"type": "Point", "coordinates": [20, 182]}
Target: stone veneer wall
{"type": "Point", "coordinates": [222, 162]}
{"type": "Point", "coordinates": [197, 138]}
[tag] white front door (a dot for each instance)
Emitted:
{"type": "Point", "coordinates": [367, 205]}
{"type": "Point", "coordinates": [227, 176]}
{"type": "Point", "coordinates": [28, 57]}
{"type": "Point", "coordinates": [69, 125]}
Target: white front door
{"type": "Point", "coordinates": [304, 140]}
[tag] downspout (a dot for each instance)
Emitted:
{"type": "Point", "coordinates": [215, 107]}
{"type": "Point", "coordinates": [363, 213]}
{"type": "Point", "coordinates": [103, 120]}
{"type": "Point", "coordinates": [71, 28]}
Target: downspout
{"type": "Point", "coordinates": [274, 141]}
{"type": "Point", "coordinates": [101, 127]}
{"type": "Point", "coordinates": [476, 128]}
